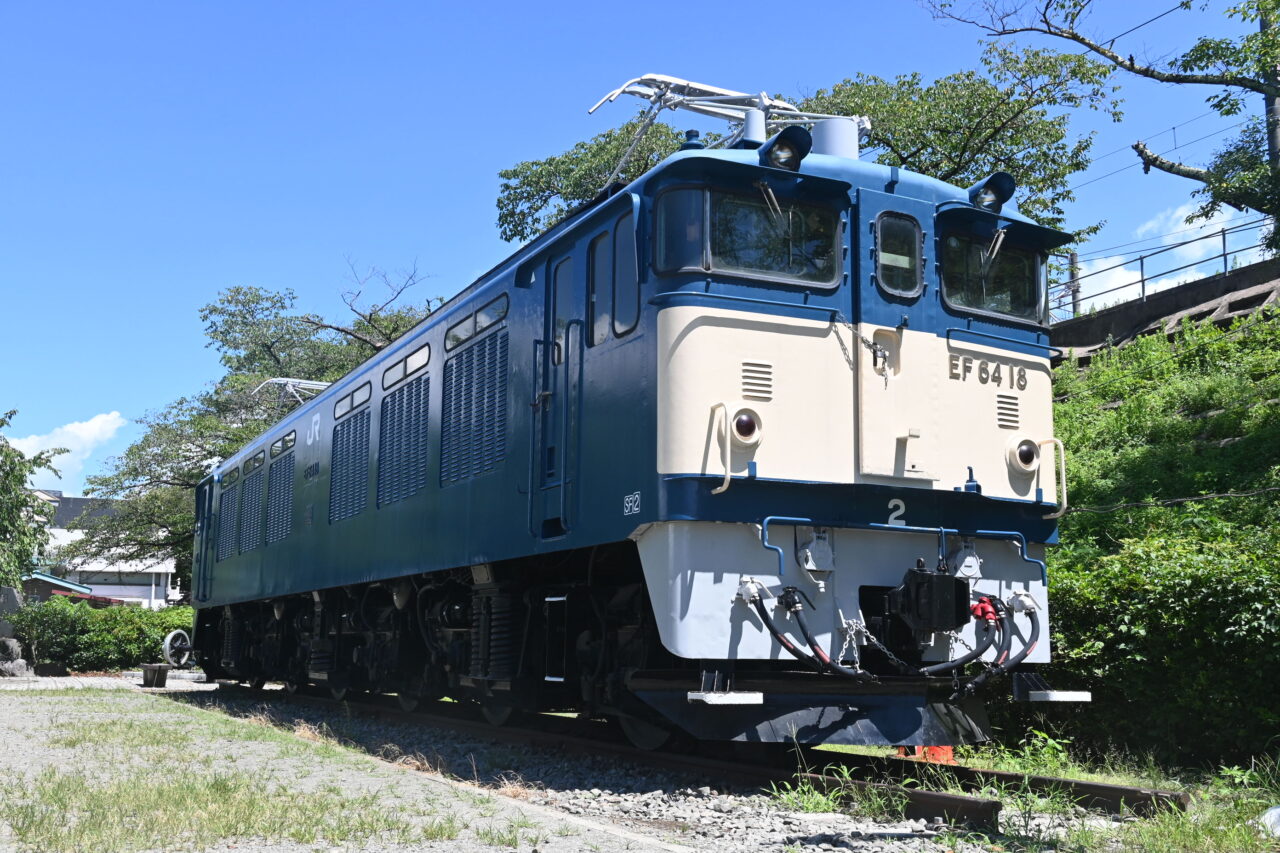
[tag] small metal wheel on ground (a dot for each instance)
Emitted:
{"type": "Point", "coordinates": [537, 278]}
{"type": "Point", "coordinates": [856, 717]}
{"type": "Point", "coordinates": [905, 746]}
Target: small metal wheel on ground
{"type": "Point", "coordinates": [176, 649]}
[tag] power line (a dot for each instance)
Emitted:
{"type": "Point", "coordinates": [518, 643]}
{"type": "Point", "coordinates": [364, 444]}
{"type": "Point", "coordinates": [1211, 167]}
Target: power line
{"type": "Point", "coordinates": [1086, 255]}
{"type": "Point", "coordinates": [1151, 137]}
{"type": "Point", "coordinates": [1172, 501]}
{"type": "Point", "coordinates": [1112, 40]}
{"type": "Point", "coordinates": [1162, 153]}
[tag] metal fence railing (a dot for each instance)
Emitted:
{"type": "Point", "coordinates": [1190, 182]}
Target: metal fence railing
{"type": "Point", "coordinates": [1066, 297]}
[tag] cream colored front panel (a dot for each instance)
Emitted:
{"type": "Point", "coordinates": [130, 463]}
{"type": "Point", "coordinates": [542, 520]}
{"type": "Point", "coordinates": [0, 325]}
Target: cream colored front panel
{"type": "Point", "coordinates": [795, 374]}
{"type": "Point", "coordinates": [931, 408]}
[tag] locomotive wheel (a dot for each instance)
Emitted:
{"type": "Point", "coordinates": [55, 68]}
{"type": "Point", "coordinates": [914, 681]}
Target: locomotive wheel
{"type": "Point", "coordinates": [176, 649]}
{"type": "Point", "coordinates": [497, 713]}
{"type": "Point", "coordinates": [644, 735]}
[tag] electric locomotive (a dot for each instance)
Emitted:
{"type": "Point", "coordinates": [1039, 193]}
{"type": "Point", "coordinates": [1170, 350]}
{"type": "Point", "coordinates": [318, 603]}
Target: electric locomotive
{"type": "Point", "coordinates": [757, 447]}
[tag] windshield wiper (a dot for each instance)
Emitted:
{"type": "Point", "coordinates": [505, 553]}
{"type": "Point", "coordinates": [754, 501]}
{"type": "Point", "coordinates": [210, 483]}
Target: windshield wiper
{"type": "Point", "coordinates": [990, 253]}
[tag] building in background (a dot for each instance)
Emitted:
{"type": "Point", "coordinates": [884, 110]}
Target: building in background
{"type": "Point", "coordinates": [139, 584]}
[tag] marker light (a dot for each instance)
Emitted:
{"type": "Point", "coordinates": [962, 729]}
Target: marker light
{"type": "Point", "coordinates": [787, 149]}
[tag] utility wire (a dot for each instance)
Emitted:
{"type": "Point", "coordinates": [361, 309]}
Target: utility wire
{"type": "Point", "coordinates": [1172, 501]}
{"type": "Point", "coordinates": [1087, 255]}
{"type": "Point", "coordinates": [1162, 153]}
{"type": "Point", "coordinates": [1112, 40]}
{"type": "Point", "coordinates": [1129, 147]}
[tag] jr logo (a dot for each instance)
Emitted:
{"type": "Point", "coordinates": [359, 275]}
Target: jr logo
{"type": "Point", "coordinates": [631, 503]}
{"type": "Point", "coordinates": [313, 431]}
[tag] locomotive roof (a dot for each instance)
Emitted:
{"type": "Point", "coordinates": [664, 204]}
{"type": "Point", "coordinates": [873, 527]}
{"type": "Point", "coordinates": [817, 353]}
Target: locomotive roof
{"type": "Point", "coordinates": [855, 173]}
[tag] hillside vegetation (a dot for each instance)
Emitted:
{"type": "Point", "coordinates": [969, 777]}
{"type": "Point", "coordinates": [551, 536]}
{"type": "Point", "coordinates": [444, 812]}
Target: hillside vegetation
{"type": "Point", "coordinates": [1164, 596]}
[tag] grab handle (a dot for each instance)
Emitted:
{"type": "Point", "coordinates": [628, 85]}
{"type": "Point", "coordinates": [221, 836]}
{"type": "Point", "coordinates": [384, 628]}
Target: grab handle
{"type": "Point", "coordinates": [1061, 452]}
{"type": "Point", "coordinates": [726, 449]}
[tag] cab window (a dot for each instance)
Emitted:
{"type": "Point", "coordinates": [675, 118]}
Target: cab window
{"type": "Point", "coordinates": [1005, 281]}
{"type": "Point", "coordinates": [898, 254]}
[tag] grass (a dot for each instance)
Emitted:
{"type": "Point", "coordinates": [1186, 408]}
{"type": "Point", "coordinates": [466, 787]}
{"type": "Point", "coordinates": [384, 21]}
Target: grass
{"type": "Point", "coordinates": [147, 809]}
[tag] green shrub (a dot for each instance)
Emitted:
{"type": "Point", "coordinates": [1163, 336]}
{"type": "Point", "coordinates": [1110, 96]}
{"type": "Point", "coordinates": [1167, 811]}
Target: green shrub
{"type": "Point", "coordinates": [84, 639]}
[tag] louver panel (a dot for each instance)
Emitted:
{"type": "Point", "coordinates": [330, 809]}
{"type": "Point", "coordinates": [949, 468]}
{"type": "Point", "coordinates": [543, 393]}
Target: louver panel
{"type": "Point", "coordinates": [349, 471]}
{"type": "Point", "coordinates": [251, 512]}
{"type": "Point", "coordinates": [473, 427]}
{"type": "Point", "coordinates": [280, 499]}
{"type": "Point", "coordinates": [402, 442]}
{"type": "Point", "coordinates": [1007, 416]}
{"type": "Point", "coordinates": [228, 515]}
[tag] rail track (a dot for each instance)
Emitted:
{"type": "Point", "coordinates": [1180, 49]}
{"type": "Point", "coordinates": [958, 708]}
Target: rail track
{"type": "Point", "coordinates": [762, 765]}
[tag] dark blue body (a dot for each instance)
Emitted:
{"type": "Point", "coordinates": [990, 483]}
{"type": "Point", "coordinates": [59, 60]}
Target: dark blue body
{"type": "Point", "coordinates": [593, 406]}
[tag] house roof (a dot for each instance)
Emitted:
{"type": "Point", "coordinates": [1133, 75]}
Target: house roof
{"type": "Point", "coordinates": [54, 580]}
{"type": "Point", "coordinates": [70, 509]}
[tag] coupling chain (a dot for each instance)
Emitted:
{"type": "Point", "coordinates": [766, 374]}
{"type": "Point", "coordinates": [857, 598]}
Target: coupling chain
{"type": "Point", "coordinates": [872, 640]}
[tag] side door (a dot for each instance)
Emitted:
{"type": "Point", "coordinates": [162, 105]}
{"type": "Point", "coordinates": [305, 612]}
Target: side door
{"type": "Point", "coordinates": [898, 361]}
{"type": "Point", "coordinates": [557, 399]}
{"type": "Point", "coordinates": [202, 568]}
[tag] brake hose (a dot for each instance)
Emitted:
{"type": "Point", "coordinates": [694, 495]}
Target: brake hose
{"type": "Point", "coordinates": [1004, 667]}
{"type": "Point", "coordinates": [790, 599]}
{"type": "Point", "coordinates": [757, 601]}
{"type": "Point", "coordinates": [985, 611]}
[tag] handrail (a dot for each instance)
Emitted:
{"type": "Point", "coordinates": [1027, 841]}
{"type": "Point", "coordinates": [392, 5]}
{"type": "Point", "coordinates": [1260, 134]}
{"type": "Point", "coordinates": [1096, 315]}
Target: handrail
{"type": "Point", "coordinates": [1061, 453]}
{"type": "Point", "coordinates": [726, 450]}
{"type": "Point", "coordinates": [764, 536]}
{"type": "Point", "coordinates": [1053, 351]}
{"type": "Point", "coordinates": [671, 295]}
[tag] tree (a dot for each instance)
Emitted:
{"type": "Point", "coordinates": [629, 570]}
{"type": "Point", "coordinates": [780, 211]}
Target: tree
{"type": "Point", "coordinates": [535, 194]}
{"type": "Point", "coordinates": [23, 515]}
{"type": "Point", "coordinates": [260, 335]}
{"type": "Point", "coordinates": [1011, 115]}
{"type": "Point", "coordinates": [964, 126]}
{"type": "Point", "coordinates": [1245, 173]}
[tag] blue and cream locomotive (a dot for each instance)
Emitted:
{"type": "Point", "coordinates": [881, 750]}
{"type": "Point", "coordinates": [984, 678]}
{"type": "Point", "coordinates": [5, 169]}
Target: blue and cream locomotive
{"type": "Point", "coordinates": [757, 447]}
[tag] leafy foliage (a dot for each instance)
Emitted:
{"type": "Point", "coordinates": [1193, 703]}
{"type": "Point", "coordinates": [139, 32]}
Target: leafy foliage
{"type": "Point", "coordinates": [1163, 596]}
{"type": "Point", "coordinates": [1245, 173]}
{"type": "Point", "coordinates": [535, 194]}
{"type": "Point", "coordinates": [260, 335]}
{"type": "Point", "coordinates": [1012, 115]}
{"type": "Point", "coordinates": [22, 515]}
{"type": "Point", "coordinates": [84, 639]}
{"type": "Point", "coordinates": [960, 128]}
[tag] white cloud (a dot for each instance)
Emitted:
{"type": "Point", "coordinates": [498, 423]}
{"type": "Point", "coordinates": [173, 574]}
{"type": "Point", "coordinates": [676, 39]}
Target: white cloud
{"type": "Point", "coordinates": [1188, 255]}
{"type": "Point", "coordinates": [80, 439]}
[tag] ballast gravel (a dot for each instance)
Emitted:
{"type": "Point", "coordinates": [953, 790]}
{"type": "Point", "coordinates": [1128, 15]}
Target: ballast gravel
{"type": "Point", "coordinates": [566, 802]}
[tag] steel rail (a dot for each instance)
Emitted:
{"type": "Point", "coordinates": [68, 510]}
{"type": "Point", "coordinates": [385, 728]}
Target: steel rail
{"type": "Point", "coordinates": [564, 734]}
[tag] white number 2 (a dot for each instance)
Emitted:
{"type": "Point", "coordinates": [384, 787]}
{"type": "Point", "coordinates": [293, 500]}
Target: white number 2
{"type": "Point", "coordinates": [895, 517]}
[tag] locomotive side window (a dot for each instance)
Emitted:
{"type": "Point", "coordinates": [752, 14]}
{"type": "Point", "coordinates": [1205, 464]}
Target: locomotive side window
{"type": "Point", "coordinates": [679, 227]}
{"type": "Point", "coordinates": [985, 276]}
{"type": "Point", "coordinates": [626, 282]}
{"type": "Point", "coordinates": [489, 315]}
{"type": "Point", "coordinates": [460, 332]}
{"type": "Point", "coordinates": [564, 305]}
{"type": "Point", "coordinates": [759, 235]}
{"type": "Point", "coordinates": [600, 264]}
{"type": "Point", "coordinates": [898, 242]}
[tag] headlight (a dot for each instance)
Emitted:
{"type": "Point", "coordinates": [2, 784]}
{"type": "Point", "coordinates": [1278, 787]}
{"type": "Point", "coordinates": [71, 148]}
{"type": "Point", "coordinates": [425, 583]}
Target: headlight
{"type": "Point", "coordinates": [1023, 455]}
{"type": "Point", "coordinates": [746, 427]}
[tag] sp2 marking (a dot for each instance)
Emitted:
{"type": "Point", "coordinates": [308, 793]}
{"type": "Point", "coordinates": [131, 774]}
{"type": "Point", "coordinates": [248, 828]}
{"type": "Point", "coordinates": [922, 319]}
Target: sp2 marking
{"type": "Point", "coordinates": [998, 373]}
{"type": "Point", "coordinates": [631, 504]}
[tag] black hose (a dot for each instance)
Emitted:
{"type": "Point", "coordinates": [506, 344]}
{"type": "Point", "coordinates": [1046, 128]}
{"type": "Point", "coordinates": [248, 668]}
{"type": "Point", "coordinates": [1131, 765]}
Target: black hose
{"type": "Point", "coordinates": [798, 654]}
{"type": "Point", "coordinates": [1005, 663]}
{"type": "Point", "coordinates": [984, 643]}
{"type": "Point", "coordinates": [834, 666]}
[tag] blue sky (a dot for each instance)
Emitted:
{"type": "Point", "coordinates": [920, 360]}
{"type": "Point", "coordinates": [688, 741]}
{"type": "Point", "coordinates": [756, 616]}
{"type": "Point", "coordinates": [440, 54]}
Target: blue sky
{"type": "Point", "coordinates": [154, 154]}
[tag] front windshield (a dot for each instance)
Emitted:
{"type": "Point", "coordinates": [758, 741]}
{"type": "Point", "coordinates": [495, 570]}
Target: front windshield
{"type": "Point", "coordinates": [759, 235]}
{"type": "Point", "coordinates": [1008, 284]}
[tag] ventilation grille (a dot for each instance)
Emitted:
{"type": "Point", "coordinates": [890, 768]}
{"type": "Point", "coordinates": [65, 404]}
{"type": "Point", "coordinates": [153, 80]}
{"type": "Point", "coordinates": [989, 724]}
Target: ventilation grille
{"type": "Point", "coordinates": [227, 515]}
{"type": "Point", "coordinates": [473, 423]}
{"type": "Point", "coordinates": [280, 499]}
{"type": "Point", "coordinates": [757, 381]}
{"type": "Point", "coordinates": [1007, 411]}
{"type": "Point", "coordinates": [251, 512]}
{"type": "Point", "coordinates": [349, 473]}
{"type": "Point", "coordinates": [402, 442]}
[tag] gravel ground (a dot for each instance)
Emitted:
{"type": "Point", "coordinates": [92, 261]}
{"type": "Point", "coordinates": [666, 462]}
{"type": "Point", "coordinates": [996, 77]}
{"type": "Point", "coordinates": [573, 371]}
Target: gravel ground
{"type": "Point", "coordinates": [610, 806]}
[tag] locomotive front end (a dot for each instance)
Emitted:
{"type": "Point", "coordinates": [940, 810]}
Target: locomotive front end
{"type": "Point", "coordinates": [855, 447]}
